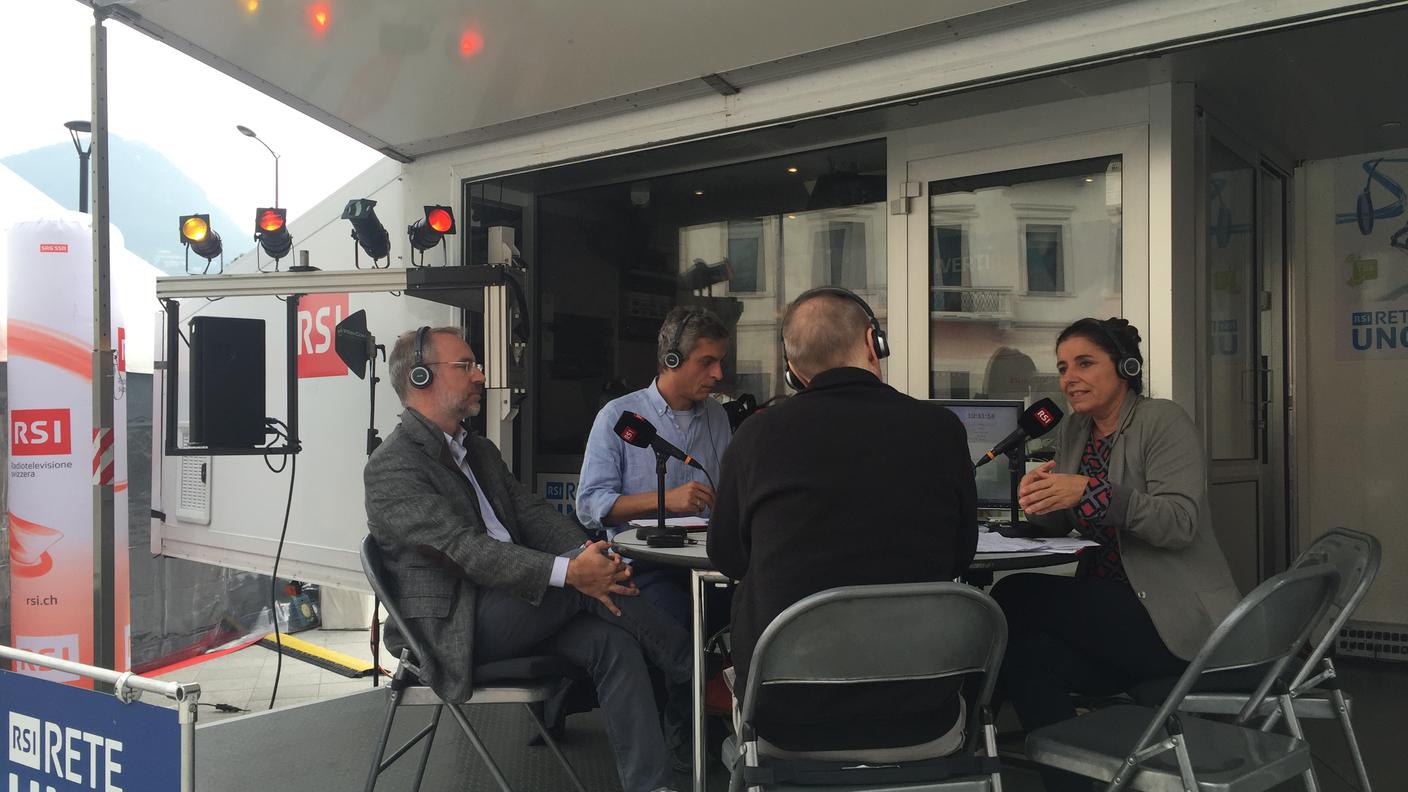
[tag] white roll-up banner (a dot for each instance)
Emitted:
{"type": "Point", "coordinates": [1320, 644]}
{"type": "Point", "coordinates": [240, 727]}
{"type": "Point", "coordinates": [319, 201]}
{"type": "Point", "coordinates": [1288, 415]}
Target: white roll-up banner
{"type": "Point", "coordinates": [55, 454]}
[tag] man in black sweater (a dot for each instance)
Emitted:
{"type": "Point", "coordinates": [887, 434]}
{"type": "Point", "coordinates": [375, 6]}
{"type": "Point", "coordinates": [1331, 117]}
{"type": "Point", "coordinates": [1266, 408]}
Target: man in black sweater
{"type": "Point", "coordinates": [850, 482]}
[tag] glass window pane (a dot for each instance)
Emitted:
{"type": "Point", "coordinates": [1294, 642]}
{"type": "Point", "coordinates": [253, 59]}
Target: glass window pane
{"type": "Point", "coordinates": [1014, 258]}
{"type": "Point", "coordinates": [741, 239]}
{"type": "Point", "coordinates": [1232, 304]}
{"type": "Point", "coordinates": [1044, 258]}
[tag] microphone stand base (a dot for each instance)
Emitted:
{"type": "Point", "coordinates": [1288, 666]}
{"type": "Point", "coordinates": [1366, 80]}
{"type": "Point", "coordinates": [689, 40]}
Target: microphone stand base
{"type": "Point", "coordinates": [653, 537]}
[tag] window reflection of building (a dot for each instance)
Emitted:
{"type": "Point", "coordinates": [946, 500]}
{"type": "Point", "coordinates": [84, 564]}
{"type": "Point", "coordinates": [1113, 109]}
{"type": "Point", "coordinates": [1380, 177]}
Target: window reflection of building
{"type": "Point", "coordinates": [613, 258]}
{"type": "Point", "coordinates": [1014, 257]}
{"type": "Point", "coordinates": [843, 246]}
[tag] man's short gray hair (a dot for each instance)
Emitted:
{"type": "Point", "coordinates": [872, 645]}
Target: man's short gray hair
{"type": "Point", "coordinates": [692, 324]}
{"type": "Point", "coordinates": [403, 355]}
{"type": "Point", "coordinates": [823, 331]}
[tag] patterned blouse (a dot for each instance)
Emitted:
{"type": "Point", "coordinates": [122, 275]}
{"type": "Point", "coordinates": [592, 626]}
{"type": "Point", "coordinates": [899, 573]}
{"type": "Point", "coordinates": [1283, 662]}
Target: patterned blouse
{"type": "Point", "coordinates": [1104, 561]}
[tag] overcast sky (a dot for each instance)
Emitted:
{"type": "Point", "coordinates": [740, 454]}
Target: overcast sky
{"type": "Point", "coordinates": [44, 52]}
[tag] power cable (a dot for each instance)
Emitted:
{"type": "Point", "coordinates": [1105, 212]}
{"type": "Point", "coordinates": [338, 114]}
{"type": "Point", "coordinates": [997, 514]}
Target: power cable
{"type": "Point", "coordinates": [274, 581]}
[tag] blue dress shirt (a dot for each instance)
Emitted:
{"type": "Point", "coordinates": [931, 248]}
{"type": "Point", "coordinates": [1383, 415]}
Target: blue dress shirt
{"type": "Point", "coordinates": [611, 468]}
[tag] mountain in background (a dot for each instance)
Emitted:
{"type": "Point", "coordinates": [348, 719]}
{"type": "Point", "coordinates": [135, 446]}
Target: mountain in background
{"type": "Point", "coordinates": [149, 193]}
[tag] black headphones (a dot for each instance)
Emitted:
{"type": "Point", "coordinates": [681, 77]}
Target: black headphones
{"type": "Point", "coordinates": [879, 343]}
{"type": "Point", "coordinates": [674, 358]}
{"type": "Point", "coordinates": [421, 375]}
{"type": "Point", "coordinates": [1127, 366]}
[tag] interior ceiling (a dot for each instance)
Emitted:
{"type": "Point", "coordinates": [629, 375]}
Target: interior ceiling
{"type": "Point", "coordinates": [399, 73]}
{"type": "Point", "coordinates": [1314, 92]}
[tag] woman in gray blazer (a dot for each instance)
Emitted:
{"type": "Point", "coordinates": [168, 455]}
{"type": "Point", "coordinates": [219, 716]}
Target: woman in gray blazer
{"type": "Point", "coordinates": [1130, 474]}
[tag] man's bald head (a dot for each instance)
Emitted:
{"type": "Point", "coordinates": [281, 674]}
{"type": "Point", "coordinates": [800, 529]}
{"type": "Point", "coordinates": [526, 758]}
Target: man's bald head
{"type": "Point", "coordinates": [824, 331]}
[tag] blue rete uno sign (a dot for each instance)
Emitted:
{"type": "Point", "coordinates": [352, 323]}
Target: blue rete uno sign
{"type": "Point", "coordinates": [63, 739]}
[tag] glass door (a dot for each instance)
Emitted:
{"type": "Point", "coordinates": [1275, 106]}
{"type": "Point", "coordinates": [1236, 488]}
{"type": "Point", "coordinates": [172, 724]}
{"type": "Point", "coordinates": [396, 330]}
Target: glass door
{"type": "Point", "coordinates": [1244, 260]}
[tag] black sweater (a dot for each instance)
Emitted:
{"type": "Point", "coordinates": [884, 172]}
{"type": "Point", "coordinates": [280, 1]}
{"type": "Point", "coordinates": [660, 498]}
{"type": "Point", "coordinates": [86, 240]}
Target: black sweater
{"type": "Point", "coordinates": [850, 482]}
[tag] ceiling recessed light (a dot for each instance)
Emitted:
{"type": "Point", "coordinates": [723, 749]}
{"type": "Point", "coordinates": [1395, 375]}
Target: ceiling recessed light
{"type": "Point", "coordinates": [791, 217]}
{"type": "Point", "coordinates": [1089, 179]}
{"type": "Point", "coordinates": [1391, 125]}
{"type": "Point", "coordinates": [792, 169]}
{"type": "Point", "coordinates": [698, 192]}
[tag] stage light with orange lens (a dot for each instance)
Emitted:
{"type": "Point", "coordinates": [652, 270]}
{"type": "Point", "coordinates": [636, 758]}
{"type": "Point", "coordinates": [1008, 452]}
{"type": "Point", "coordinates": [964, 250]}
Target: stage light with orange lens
{"type": "Point", "coordinates": [199, 237]}
{"type": "Point", "coordinates": [428, 231]}
{"type": "Point", "coordinates": [271, 229]}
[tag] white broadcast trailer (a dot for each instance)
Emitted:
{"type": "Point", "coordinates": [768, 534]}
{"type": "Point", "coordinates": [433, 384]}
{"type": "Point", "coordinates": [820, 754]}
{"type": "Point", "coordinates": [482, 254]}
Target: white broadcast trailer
{"type": "Point", "coordinates": [489, 102]}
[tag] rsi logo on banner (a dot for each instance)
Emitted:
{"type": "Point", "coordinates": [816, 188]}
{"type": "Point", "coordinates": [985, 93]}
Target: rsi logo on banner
{"type": "Point", "coordinates": [60, 647]}
{"type": "Point", "coordinates": [40, 432]}
{"type": "Point", "coordinates": [318, 316]}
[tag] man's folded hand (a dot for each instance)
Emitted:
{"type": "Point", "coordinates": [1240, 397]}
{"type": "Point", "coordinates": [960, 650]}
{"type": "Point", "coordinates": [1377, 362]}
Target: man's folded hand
{"type": "Point", "coordinates": [599, 572]}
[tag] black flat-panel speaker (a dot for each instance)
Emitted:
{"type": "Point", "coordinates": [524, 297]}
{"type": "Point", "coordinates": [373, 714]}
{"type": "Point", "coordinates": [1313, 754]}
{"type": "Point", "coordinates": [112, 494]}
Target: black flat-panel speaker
{"type": "Point", "coordinates": [227, 382]}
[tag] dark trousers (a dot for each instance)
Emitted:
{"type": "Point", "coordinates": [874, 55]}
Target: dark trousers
{"type": "Point", "coordinates": [1074, 635]}
{"type": "Point", "coordinates": [668, 588]}
{"type": "Point", "coordinates": [569, 624]}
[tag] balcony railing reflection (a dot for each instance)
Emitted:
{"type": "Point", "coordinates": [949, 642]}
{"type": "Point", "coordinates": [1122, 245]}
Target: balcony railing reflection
{"type": "Point", "coordinates": [971, 301]}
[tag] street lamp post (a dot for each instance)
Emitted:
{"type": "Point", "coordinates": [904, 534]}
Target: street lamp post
{"type": "Point", "coordinates": [247, 132]}
{"type": "Point", "coordinates": [74, 128]}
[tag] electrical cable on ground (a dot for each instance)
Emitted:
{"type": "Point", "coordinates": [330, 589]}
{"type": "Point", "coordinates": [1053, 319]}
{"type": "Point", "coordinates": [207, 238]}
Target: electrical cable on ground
{"type": "Point", "coordinates": [274, 579]}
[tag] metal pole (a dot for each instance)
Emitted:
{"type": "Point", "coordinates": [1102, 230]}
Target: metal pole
{"type": "Point", "coordinates": [187, 718]}
{"type": "Point", "coordinates": [104, 597]}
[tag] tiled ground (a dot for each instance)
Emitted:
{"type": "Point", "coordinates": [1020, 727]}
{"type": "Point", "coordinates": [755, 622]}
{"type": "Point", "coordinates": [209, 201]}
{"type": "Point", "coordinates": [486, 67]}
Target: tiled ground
{"type": "Point", "coordinates": [245, 678]}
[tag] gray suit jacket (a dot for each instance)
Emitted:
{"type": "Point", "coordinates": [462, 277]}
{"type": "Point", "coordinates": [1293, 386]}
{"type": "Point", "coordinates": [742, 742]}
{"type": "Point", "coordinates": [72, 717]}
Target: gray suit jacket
{"type": "Point", "coordinates": [425, 517]}
{"type": "Point", "coordinates": [1159, 505]}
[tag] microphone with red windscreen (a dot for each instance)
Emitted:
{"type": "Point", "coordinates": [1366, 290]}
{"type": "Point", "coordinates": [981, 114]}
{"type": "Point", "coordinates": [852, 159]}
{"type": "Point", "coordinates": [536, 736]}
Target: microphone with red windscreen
{"type": "Point", "coordinates": [1036, 421]}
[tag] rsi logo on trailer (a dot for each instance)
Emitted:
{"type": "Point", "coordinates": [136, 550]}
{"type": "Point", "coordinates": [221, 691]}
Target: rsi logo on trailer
{"type": "Point", "coordinates": [60, 647]}
{"type": "Point", "coordinates": [318, 316]}
{"type": "Point", "coordinates": [40, 432]}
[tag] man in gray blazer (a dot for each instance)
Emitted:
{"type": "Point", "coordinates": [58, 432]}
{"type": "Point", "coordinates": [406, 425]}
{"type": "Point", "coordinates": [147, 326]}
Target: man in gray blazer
{"type": "Point", "coordinates": [485, 570]}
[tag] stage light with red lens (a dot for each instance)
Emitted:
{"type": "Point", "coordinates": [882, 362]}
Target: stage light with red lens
{"type": "Point", "coordinates": [428, 231]}
{"type": "Point", "coordinates": [271, 229]}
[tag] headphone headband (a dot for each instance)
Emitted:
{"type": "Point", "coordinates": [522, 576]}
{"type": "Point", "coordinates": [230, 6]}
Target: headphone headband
{"type": "Point", "coordinates": [421, 374]}
{"type": "Point", "coordinates": [879, 342]}
{"type": "Point", "coordinates": [1127, 366]}
{"type": "Point", "coordinates": [674, 358]}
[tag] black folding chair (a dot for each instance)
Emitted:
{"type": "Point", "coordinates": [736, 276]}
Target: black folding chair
{"type": "Point", "coordinates": [859, 634]}
{"type": "Point", "coordinates": [1155, 749]}
{"type": "Point", "coordinates": [529, 681]}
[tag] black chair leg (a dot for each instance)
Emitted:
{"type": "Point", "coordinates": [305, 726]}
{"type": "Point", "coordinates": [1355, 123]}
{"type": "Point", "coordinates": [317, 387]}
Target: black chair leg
{"type": "Point", "coordinates": [393, 698]}
{"type": "Point", "coordinates": [425, 753]}
{"type": "Point", "coordinates": [478, 744]}
{"type": "Point", "coordinates": [556, 751]}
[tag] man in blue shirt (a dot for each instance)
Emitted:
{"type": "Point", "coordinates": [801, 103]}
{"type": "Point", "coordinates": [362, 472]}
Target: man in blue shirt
{"type": "Point", "coordinates": [618, 481]}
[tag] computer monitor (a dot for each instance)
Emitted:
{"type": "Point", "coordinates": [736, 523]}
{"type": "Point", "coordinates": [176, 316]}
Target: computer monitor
{"type": "Point", "coordinates": [987, 423]}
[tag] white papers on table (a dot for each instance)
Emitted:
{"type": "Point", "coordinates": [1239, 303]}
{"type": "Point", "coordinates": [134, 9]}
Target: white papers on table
{"type": "Point", "coordinates": [673, 522]}
{"type": "Point", "coordinates": [989, 542]}
{"type": "Point", "coordinates": [1065, 544]}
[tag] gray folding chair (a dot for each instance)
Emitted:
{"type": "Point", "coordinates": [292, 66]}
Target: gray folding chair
{"type": "Point", "coordinates": [528, 681]}
{"type": "Point", "coordinates": [878, 633]}
{"type": "Point", "coordinates": [1265, 630]}
{"type": "Point", "coordinates": [1314, 687]}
